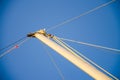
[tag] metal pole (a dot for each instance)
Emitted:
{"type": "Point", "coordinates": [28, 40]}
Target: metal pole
{"type": "Point", "coordinates": [78, 61]}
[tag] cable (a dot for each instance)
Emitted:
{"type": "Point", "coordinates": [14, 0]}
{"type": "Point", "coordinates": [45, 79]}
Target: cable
{"type": "Point", "coordinates": [92, 45]}
{"type": "Point", "coordinates": [12, 43]}
{"type": "Point", "coordinates": [55, 64]}
{"type": "Point", "coordinates": [14, 47]}
{"type": "Point", "coordinates": [83, 14]}
{"type": "Point", "coordinates": [72, 50]}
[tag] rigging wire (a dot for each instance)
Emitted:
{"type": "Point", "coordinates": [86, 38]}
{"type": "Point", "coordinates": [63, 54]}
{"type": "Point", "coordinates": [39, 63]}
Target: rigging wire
{"type": "Point", "coordinates": [83, 14]}
{"type": "Point", "coordinates": [64, 45]}
{"type": "Point", "coordinates": [72, 50]}
{"type": "Point", "coordinates": [15, 46]}
{"type": "Point", "coordinates": [12, 43]}
{"type": "Point", "coordinates": [54, 63]}
{"type": "Point", "coordinates": [92, 45]}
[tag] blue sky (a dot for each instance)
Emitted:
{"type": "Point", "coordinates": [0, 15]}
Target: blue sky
{"type": "Point", "coordinates": [30, 61]}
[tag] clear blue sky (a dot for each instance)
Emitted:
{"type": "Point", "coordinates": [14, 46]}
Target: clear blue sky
{"type": "Point", "coordinates": [30, 61]}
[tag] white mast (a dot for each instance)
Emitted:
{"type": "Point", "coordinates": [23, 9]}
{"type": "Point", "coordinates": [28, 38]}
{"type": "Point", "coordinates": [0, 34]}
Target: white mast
{"type": "Point", "coordinates": [77, 61]}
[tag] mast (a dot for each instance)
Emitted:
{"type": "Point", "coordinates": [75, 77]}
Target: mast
{"type": "Point", "coordinates": [77, 61]}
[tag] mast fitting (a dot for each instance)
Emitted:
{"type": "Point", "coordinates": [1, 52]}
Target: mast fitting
{"type": "Point", "coordinates": [43, 32]}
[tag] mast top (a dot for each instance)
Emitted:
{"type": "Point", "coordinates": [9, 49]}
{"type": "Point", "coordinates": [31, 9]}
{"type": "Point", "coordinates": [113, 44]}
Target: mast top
{"type": "Point", "coordinates": [42, 32]}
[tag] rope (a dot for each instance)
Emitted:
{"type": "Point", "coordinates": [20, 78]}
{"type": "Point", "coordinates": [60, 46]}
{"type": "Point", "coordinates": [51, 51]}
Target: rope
{"type": "Point", "coordinates": [75, 51]}
{"type": "Point", "coordinates": [55, 64]}
{"type": "Point", "coordinates": [92, 45]}
{"type": "Point", "coordinates": [64, 45]}
{"type": "Point", "coordinates": [12, 43]}
{"type": "Point", "coordinates": [14, 47]}
{"type": "Point", "coordinates": [83, 14]}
